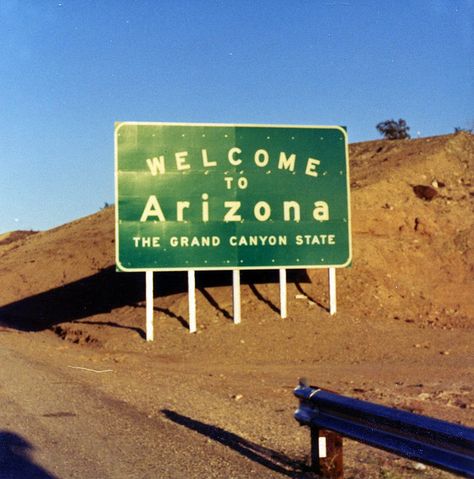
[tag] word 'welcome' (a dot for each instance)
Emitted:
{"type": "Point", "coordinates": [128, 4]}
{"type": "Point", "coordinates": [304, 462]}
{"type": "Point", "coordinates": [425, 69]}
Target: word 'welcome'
{"type": "Point", "coordinates": [261, 158]}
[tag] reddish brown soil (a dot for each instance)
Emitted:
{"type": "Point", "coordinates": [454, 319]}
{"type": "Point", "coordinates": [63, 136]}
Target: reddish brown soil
{"type": "Point", "coordinates": [402, 336]}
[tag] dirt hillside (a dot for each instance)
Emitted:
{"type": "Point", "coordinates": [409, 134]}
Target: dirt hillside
{"type": "Point", "coordinates": [403, 334]}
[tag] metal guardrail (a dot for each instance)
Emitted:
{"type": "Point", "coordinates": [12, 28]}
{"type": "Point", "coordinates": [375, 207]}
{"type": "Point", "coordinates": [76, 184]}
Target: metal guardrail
{"type": "Point", "coordinates": [420, 438]}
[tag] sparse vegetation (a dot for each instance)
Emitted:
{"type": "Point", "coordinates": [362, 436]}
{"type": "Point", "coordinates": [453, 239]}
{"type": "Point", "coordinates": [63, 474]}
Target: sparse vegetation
{"type": "Point", "coordinates": [394, 130]}
{"type": "Point", "coordinates": [458, 129]}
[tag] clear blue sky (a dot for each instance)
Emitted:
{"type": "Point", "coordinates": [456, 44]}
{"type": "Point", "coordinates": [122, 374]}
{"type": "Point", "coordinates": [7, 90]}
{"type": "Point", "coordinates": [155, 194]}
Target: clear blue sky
{"type": "Point", "coordinates": [70, 68]}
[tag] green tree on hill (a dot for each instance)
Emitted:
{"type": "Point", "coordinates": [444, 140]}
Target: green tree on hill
{"type": "Point", "coordinates": [394, 130]}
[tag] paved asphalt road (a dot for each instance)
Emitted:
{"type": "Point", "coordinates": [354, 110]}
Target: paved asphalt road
{"type": "Point", "coordinates": [53, 425]}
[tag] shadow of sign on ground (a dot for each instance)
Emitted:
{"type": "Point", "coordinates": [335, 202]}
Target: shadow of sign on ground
{"type": "Point", "coordinates": [107, 290]}
{"type": "Point", "coordinates": [271, 459]}
{"type": "Point", "coordinates": [16, 461]}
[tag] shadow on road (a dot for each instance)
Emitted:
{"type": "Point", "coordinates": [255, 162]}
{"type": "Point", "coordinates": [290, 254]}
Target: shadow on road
{"type": "Point", "coordinates": [108, 290]}
{"type": "Point", "coordinates": [15, 460]}
{"type": "Point", "coordinates": [269, 458]}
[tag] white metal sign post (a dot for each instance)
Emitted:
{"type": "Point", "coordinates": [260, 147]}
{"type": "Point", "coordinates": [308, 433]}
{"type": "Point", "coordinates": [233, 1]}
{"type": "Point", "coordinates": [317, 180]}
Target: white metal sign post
{"type": "Point", "coordinates": [283, 312]}
{"type": "Point", "coordinates": [192, 300]}
{"type": "Point", "coordinates": [236, 295]}
{"type": "Point", "coordinates": [149, 305]}
{"type": "Point", "coordinates": [332, 291]}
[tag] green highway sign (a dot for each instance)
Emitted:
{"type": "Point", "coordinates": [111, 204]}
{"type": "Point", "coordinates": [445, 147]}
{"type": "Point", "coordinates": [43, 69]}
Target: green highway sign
{"type": "Point", "coordinates": [198, 196]}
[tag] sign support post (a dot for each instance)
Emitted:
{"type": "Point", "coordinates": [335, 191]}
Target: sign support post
{"type": "Point", "coordinates": [283, 312]}
{"type": "Point", "coordinates": [149, 305]}
{"type": "Point", "coordinates": [332, 291]}
{"type": "Point", "coordinates": [236, 295]}
{"type": "Point", "coordinates": [192, 300]}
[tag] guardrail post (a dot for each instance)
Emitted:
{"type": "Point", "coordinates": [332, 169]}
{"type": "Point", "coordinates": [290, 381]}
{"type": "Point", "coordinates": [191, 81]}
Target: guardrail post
{"type": "Point", "coordinates": [326, 454]}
